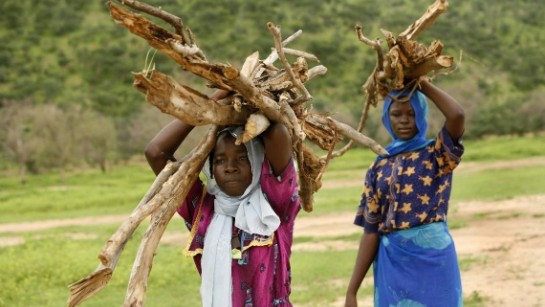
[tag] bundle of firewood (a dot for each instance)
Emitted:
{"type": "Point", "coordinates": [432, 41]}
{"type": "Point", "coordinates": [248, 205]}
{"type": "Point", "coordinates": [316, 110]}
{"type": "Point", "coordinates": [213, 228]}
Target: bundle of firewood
{"type": "Point", "coordinates": [406, 60]}
{"type": "Point", "coordinates": [257, 93]}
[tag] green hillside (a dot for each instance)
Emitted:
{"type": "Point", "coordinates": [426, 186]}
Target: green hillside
{"type": "Point", "coordinates": [71, 55]}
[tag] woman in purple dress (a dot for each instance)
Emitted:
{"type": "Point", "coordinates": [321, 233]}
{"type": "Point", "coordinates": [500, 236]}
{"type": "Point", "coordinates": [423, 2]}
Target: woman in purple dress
{"type": "Point", "coordinates": [403, 209]}
{"type": "Point", "coordinates": [241, 222]}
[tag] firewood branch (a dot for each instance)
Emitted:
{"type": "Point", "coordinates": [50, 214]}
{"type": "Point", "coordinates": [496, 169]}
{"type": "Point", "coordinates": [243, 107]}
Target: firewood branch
{"type": "Point", "coordinates": [433, 11]}
{"type": "Point", "coordinates": [182, 180]}
{"type": "Point", "coordinates": [185, 103]}
{"type": "Point", "coordinates": [175, 21]}
{"type": "Point", "coordinates": [280, 50]}
{"type": "Point", "coordinates": [406, 58]}
{"type": "Point", "coordinates": [96, 281]}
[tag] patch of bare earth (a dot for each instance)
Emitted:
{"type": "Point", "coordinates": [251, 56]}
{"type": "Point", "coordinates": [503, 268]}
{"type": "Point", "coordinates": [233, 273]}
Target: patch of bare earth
{"type": "Point", "coordinates": [501, 245]}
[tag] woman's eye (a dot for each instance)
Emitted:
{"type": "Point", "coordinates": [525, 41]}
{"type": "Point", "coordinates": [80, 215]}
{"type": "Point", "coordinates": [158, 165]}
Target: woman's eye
{"type": "Point", "coordinates": [218, 161]}
{"type": "Point", "coordinates": [243, 158]}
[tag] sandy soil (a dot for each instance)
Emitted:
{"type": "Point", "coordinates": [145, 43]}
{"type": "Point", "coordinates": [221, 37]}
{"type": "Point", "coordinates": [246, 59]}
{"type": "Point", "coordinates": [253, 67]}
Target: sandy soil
{"type": "Point", "coordinates": [501, 246]}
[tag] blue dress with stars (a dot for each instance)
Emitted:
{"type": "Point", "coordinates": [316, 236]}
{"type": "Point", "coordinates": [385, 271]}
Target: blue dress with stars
{"type": "Point", "coordinates": [405, 201]}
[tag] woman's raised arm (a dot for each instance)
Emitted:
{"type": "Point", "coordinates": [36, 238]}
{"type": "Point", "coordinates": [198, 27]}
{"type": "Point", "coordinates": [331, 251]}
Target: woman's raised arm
{"type": "Point", "coordinates": [451, 109]}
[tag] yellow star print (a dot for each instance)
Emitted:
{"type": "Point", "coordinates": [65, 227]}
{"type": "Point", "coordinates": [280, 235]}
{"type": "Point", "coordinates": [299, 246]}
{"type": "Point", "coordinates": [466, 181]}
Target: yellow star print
{"type": "Point", "coordinates": [373, 206]}
{"type": "Point", "coordinates": [407, 189]}
{"type": "Point", "coordinates": [422, 216]}
{"type": "Point", "coordinates": [389, 179]}
{"type": "Point", "coordinates": [426, 180]}
{"type": "Point", "coordinates": [409, 171]}
{"type": "Point", "coordinates": [379, 175]}
{"type": "Point", "coordinates": [442, 187]}
{"type": "Point", "coordinates": [428, 164]}
{"type": "Point", "coordinates": [406, 208]}
{"type": "Point", "coordinates": [415, 155]}
{"type": "Point", "coordinates": [404, 225]}
{"type": "Point", "coordinates": [425, 199]}
{"type": "Point", "coordinates": [438, 144]}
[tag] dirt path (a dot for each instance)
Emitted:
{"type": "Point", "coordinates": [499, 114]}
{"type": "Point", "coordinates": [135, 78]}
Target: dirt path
{"type": "Point", "coordinates": [501, 246]}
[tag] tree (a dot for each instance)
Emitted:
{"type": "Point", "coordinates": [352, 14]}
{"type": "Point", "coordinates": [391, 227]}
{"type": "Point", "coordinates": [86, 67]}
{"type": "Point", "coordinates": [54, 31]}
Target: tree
{"type": "Point", "coordinates": [16, 124]}
{"type": "Point", "coordinates": [55, 136]}
{"type": "Point", "coordinates": [96, 135]}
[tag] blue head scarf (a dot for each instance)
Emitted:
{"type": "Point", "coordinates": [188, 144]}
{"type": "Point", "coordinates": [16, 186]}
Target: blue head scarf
{"type": "Point", "coordinates": [420, 107]}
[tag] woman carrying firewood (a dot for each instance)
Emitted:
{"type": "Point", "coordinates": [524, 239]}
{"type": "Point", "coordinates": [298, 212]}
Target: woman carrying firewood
{"type": "Point", "coordinates": [241, 223]}
{"type": "Point", "coordinates": [404, 206]}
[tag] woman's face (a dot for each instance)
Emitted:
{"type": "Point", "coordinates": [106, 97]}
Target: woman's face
{"type": "Point", "coordinates": [402, 120]}
{"type": "Point", "coordinates": [231, 166]}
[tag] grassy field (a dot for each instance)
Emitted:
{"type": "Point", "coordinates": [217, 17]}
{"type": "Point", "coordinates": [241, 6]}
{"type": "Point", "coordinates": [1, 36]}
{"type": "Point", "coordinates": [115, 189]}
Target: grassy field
{"type": "Point", "coordinates": [37, 272]}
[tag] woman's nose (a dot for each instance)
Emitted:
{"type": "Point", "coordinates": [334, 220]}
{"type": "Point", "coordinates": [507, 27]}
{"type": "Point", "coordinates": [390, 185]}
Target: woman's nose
{"type": "Point", "coordinates": [231, 165]}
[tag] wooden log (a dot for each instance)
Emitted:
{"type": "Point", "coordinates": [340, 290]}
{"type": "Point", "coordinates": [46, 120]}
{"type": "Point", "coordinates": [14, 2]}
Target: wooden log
{"type": "Point", "coordinates": [433, 11]}
{"type": "Point", "coordinates": [433, 64]}
{"type": "Point", "coordinates": [96, 281]}
{"type": "Point", "coordinates": [182, 181]}
{"type": "Point", "coordinates": [255, 125]}
{"type": "Point", "coordinates": [185, 103]}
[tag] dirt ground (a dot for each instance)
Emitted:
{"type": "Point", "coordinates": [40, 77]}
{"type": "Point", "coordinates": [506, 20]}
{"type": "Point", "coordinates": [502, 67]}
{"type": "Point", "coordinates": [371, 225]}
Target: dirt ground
{"type": "Point", "coordinates": [501, 246]}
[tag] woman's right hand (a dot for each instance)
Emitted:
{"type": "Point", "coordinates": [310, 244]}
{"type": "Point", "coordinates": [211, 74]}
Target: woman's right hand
{"type": "Point", "coordinates": [350, 300]}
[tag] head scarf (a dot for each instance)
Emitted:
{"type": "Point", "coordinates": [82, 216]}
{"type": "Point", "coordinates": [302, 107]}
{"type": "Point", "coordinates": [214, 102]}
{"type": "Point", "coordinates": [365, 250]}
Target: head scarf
{"type": "Point", "coordinates": [252, 213]}
{"type": "Point", "coordinates": [420, 107]}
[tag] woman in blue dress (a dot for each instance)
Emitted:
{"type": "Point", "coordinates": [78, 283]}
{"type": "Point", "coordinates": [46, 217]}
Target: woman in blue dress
{"type": "Point", "coordinates": [404, 206]}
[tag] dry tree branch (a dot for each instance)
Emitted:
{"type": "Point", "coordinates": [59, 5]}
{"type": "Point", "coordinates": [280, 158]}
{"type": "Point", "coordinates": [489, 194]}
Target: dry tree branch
{"type": "Point", "coordinates": [301, 54]}
{"type": "Point", "coordinates": [361, 125]}
{"type": "Point", "coordinates": [375, 44]}
{"type": "Point", "coordinates": [274, 55]}
{"type": "Point", "coordinates": [96, 281]}
{"type": "Point", "coordinates": [433, 11]}
{"type": "Point", "coordinates": [185, 103]}
{"type": "Point", "coordinates": [406, 58]}
{"type": "Point", "coordinates": [280, 50]}
{"type": "Point", "coordinates": [182, 180]}
{"type": "Point", "coordinates": [175, 21]}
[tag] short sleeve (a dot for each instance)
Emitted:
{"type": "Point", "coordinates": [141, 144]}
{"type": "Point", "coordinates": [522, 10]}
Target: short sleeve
{"type": "Point", "coordinates": [369, 214]}
{"type": "Point", "coordinates": [191, 202]}
{"type": "Point", "coordinates": [281, 191]}
{"type": "Point", "coordinates": [448, 152]}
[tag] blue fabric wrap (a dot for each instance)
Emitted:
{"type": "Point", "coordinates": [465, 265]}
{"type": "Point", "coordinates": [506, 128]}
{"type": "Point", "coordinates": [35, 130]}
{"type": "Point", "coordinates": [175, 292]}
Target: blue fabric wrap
{"type": "Point", "coordinates": [420, 106]}
{"type": "Point", "coordinates": [417, 267]}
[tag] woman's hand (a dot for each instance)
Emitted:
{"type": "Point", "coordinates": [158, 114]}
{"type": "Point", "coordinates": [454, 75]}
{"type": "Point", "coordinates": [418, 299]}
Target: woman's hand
{"type": "Point", "coordinates": [350, 300]}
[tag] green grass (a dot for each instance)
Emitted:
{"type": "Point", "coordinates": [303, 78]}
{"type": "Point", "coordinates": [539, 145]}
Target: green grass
{"type": "Point", "coordinates": [37, 272]}
{"type": "Point", "coordinates": [504, 148]}
{"type": "Point", "coordinates": [309, 284]}
{"type": "Point", "coordinates": [498, 184]}
{"type": "Point", "coordinates": [82, 194]}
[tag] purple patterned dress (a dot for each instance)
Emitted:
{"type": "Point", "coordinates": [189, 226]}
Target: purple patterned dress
{"type": "Point", "coordinates": [262, 274]}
